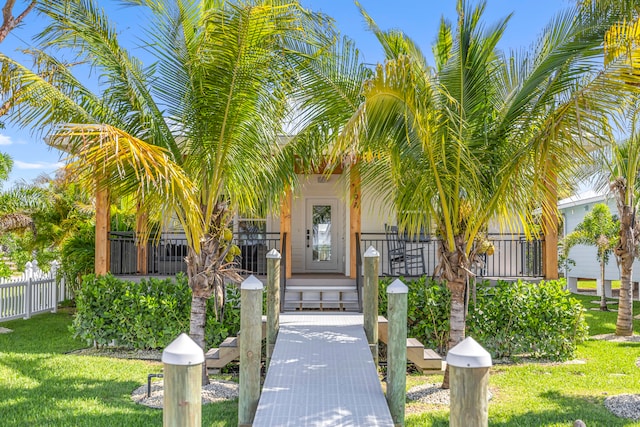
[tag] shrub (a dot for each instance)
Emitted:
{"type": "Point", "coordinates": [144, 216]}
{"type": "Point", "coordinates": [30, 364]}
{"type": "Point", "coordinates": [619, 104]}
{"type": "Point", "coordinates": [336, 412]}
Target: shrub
{"type": "Point", "coordinates": [145, 315]}
{"type": "Point", "coordinates": [428, 305]}
{"type": "Point", "coordinates": [538, 320]}
{"type": "Point", "coordinates": [510, 319]}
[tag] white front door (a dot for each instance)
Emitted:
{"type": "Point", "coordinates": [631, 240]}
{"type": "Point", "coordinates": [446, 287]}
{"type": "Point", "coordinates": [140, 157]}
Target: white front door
{"type": "Point", "coordinates": [321, 235]}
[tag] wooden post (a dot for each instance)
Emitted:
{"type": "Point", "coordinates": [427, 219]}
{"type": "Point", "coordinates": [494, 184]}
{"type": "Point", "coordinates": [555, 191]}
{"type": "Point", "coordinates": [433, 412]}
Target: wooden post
{"type": "Point", "coordinates": [142, 223]}
{"type": "Point", "coordinates": [469, 366]}
{"type": "Point", "coordinates": [355, 217]}
{"type": "Point", "coordinates": [285, 227]}
{"type": "Point", "coordinates": [397, 350]}
{"type": "Point", "coordinates": [273, 300]}
{"type": "Point", "coordinates": [103, 225]}
{"type": "Point", "coordinates": [550, 224]}
{"type": "Point", "coordinates": [250, 349]}
{"type": "Point", "coordinates": [370, 298]}
{"type": "Point", "coordinates": [182, 401]}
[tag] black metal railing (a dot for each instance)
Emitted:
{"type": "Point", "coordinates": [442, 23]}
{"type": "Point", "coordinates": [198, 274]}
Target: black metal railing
{"type": "Point", "coordinates": [283, 271]}
{"type": "Point", "coordinates": [166, 255]}
{"type": "Point", "coordinates": [359, 280]}
{"type": "Point", "coordinates": [513, 256]}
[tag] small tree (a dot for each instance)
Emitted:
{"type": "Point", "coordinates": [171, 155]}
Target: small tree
{"type": "Point", "coordinates": [600, 229]}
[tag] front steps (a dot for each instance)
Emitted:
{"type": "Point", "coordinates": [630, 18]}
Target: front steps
{"type": "Point", "coordinates": [321, 293]}
{"type": "Point", "coordinates": [425, 360]}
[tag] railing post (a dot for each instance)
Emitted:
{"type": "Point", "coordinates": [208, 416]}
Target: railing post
{"type": "Point", "coordinates": [273, 300]}
{"type": "Point", "coordinates": [182, 401]}
{"type": "Point", "coordinates": [469, 366]}
{"type": "Point", "coordinates": [397, 350]}
{"type": "Point", "coordinates": [250, 348]}
{"type": "Point", "coordinates": [370, 297]}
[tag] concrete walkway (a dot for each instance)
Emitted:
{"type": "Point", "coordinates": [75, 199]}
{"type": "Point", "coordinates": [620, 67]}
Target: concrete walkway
{"type": "Point", "coordinates": [322, 374]}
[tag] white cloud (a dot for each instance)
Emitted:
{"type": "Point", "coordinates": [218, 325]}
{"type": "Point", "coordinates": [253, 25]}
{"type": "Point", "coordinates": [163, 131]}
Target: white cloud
{"type": "Point", "coordinates": [37, 165]}
{"type": "Point", "coordinates": [5, 140]}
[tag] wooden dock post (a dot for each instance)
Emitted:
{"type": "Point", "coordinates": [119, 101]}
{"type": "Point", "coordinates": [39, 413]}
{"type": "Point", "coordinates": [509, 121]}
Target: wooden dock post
{"type": "Point", "coordinates": [182, 401]}
{"type": "Point", "coordinates": [250, 349]}
{"type": "Point", "coordinates": [469, 366]}
{"type": "Point", "coordinates": [273, 300]}
{"type": "Point", "coordinates": [397, 350]}
{"type": "Point", "coordinates": [370, 298]}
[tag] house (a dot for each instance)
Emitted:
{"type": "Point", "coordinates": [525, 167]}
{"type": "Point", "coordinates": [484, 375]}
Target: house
{"type": "Point", "coordinates": [573, 211]}
{"type": "Point", "coordinates": [323, 228]}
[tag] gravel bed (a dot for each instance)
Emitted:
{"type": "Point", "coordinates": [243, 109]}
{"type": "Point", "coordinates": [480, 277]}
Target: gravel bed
{"type": "Point", "coordinates": [120, 353]}
{"type": "Point", "coordinates": [432, 394]}
{"type": "Point", "coordinates": [616, 338]}
{"type": "Point", "coordinates": [215, 391]}
{"type": "Point", "coordinates": [624, 406]}
{"type": "Point", "coordinates": [429, 393]}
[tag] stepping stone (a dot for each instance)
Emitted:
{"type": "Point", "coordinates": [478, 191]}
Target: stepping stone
{"type": "Point", "coordinates": [5, 330]}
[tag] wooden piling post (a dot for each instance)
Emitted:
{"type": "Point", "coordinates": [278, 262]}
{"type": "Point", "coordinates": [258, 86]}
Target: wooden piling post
{"type": "Point", "coordinates": [397, 350]}
{"type": "Point", "coordinates": [273, 300]}
{"type": "Point", "coordinates": [469, 366]}
{"type": "Point", "coordinates": [182, 401]}
{"type": "Point", "coordinates": [370, 298]}
{"type": "Point", "coordinates": [250, 349]}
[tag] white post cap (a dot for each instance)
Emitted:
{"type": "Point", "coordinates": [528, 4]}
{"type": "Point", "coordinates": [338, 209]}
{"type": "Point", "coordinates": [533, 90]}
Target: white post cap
{"type": "Point", "coordinates": [274, 254]}
{"type": "Point", "coordinates": [397, 287]}
{"type": "Point", "coordinates": [252, 283]}
{"type": "Point", "coordinates": [469, 354]}
{"type": "Point", "coordinates": [371, 253]}
{"type": "Point", "coordinates": [183, 351]}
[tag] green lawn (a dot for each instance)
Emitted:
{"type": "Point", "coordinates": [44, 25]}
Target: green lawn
{"type": "Point", "coordinates": [557, 395]}
{"type": "Point", "coordinates": [42, 385]}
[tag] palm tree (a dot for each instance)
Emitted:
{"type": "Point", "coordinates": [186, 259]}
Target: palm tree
{"type": "Point", "coordinates": [199, 129]}
{"type": "Point", "coordinates": [617, 166]}
{"type": "Point", "coordinates": [600, 229]}
{"type": "Point", "coordinates": [479, 136]}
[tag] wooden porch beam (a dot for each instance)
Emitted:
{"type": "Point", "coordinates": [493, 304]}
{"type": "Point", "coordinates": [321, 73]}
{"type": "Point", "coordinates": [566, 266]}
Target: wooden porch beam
{"type": "Point", "coordinates": [103, 226]}
{"type": "Point", "coordinates": [285, 227]}
{"type": "Point", "coordinates": [355, 217]}
{"type": "Point", "coordinates": [142, 224]}
{"type": "Point", "coordinates": [550, 224]}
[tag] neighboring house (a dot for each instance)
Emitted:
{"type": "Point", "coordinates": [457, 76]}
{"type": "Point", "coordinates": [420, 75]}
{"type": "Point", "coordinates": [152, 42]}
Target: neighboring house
{"type": "Point", "coordinates": [573, 210]}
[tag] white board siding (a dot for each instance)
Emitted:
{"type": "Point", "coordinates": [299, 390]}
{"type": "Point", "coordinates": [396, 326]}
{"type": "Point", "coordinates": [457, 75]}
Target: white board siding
{"type": "Point", "coordinates": [584, 256]}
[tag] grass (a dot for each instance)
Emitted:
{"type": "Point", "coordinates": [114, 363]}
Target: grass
{"type": "Point", "coordinates": [540, 394]}
{"type": "Point", "coordinates": [40, 384]}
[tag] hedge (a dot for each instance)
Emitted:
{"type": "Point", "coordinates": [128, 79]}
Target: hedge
{"type": "Point", "coordinates": [145, 315]}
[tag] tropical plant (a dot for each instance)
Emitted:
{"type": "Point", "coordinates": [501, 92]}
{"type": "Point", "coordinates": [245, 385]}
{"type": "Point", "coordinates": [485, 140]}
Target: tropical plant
{"type": "Point", "coordinates": [600, 229]}
{"type": "Point", "coordinates": [197, 132]}
{"type": "Point", "coordinates": [619, 164]}
{"type": "Point", "coordinates": [480, 135]}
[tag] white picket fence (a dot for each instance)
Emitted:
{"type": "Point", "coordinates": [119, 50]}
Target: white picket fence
{"type": "Point", "coordinates": [33, 292]}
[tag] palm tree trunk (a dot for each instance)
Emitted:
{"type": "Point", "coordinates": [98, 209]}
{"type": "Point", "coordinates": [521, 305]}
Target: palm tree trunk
{"type": "Point", "coordinates": [455, 273]}
{"type": "Point", "coordinates": [626, 252]}
{"type": "Point", "coordinates": [603, 300]}
{"type": "Point", "coordinates": [196, 327]}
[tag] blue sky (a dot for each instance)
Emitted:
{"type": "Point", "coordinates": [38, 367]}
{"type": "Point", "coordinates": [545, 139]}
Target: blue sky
{"type": "Point", "coordinates": [417, 18]}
